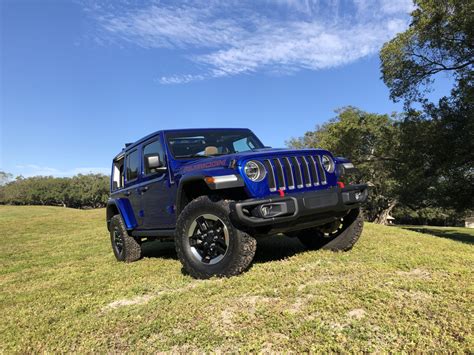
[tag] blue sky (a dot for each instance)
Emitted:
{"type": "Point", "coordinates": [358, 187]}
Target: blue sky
{"type": "Point", "coordinates": [81, 78]}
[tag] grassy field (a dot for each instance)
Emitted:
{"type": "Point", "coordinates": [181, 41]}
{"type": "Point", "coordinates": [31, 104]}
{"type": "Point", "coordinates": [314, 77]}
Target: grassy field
{"type": "Point", "coordinates": [397, 290]}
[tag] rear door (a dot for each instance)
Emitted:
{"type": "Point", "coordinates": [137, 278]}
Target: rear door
{"type": "Point", "coordinates": [157, 198]}
{"type": "Point", "coordinates": [132, 175]}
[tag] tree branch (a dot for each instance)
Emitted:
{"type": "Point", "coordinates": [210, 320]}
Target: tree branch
{"type": "Point", "coordinates": [443, 66]}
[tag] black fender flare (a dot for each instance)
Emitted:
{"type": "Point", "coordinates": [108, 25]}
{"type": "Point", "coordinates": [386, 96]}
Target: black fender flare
{"type": "Point", "coordinates": [182, 182]}
{"type": "Point", "coordinates": [187, 179]}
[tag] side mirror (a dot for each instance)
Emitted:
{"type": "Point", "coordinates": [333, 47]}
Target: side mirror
{"type": "Point", "coordinates": [154, 163]}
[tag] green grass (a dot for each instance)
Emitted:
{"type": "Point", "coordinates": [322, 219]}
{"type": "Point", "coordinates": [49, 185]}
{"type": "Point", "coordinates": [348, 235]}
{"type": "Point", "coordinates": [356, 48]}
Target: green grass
{"type": "Point", "coordinates": [397, 290]}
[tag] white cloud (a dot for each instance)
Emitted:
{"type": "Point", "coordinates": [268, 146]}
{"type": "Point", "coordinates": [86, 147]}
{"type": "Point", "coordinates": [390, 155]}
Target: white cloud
{"type": "Point", "coordinates": [181, 79]}
{"type": "Point", "coordinates": [225, 38]}
{"type": "Point", "coordinates": [394, 7]}
{"type": "Point", "coordinates": [29, 170]}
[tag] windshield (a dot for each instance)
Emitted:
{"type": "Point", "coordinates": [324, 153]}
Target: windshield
{"type": "Point", "coordinates": [202, 143]}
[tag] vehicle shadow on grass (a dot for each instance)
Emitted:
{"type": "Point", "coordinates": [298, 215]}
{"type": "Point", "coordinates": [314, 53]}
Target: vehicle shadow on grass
{"type": "Point", "coordinates": [453, 234]}
{"type": "Point", "coordinates": [276, 247]}
{"type": "Point", "coordinates": [271, 248]}
{"type": "Point", "coordinates": [158, 249]}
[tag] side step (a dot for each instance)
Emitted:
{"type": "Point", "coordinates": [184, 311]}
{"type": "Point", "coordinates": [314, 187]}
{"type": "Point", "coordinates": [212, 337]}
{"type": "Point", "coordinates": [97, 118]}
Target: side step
{"type": "Point", "coordinates": [160, 233]}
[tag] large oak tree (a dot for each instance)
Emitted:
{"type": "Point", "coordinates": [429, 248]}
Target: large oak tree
{"type": "Point", "coordinates": [437, 141]}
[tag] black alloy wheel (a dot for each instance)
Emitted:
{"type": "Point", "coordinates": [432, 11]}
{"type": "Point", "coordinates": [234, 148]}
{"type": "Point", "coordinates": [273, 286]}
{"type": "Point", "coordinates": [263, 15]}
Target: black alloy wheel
{"type": "Point", "coordinates": [208, 239]}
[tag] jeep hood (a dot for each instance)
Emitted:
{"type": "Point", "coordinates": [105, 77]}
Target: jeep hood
{"type": "Point", "coordinates": [223, 161]}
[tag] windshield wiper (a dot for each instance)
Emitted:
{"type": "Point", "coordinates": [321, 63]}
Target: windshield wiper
{"type": "Point", "coordinates": [201, 156]}
{"type": "Point", "coordinates": [191, 156]}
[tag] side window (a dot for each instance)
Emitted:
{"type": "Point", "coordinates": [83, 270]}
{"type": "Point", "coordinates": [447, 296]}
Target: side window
{"type": "Point", "coordinates": [133, 165]}
{"type": "Point", "coordinates": [153, 149]}
{"type": "Point", "coordinates": [117, 177]}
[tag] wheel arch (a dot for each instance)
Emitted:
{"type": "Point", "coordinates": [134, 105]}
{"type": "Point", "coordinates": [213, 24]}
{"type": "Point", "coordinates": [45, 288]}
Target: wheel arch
{"type": "Point", "coordinates": [189, 188]}
{"type": "Point", "coordinates": [194, 186]}
{"type": "Point", "coordinates": [122, 207]}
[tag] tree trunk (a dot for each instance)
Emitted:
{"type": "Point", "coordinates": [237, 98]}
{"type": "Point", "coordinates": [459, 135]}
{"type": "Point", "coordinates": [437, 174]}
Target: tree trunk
{"type": "Point", "coordinates": [382, 218]}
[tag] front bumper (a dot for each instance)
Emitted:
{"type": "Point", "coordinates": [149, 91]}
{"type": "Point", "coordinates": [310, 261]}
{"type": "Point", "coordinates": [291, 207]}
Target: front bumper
{"type": "Point", "coordinates": [298, 210]}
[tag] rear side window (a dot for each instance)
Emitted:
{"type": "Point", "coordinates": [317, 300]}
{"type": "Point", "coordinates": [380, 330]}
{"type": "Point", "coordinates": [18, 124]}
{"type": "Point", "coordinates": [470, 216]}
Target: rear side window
{"type": "Point", "coordinates": [117, 174]}
{"type": "Point", "coordinates": [153, 148]}
{"type": "Point", "coordinates": [133, 165]}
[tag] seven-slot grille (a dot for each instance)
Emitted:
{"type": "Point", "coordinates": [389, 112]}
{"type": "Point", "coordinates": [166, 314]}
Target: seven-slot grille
{"type": "Point", "coordinates": [295, 172]}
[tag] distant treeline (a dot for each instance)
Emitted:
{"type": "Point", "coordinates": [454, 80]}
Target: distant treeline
{"type": "Point", "coordinates": [80, 191]}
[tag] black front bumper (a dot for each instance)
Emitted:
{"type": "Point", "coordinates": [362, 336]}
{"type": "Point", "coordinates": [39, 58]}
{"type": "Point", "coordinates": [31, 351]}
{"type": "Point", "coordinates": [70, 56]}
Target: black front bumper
{"type": "Point", "coordinates": [299, 210]}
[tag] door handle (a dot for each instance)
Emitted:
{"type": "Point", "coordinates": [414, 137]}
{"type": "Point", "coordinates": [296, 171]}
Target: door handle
{"type": "Point", "coordinates": [143, 189]}
{"type": "Point", "coordinates": [127, 193]}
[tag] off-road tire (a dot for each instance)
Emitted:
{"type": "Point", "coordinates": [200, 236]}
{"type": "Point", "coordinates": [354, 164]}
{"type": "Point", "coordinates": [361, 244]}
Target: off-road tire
{"type": "Point", "coordinates": [131, 249]}
{"type": "Point", "coordinates": [240, 250]}
{"type": "Point", "coordinates": [343, 240]}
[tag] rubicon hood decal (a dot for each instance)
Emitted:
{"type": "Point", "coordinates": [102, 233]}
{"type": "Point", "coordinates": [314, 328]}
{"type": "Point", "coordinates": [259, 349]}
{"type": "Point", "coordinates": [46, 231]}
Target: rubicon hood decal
{"type": "Point", "coordinates": [204, 165]}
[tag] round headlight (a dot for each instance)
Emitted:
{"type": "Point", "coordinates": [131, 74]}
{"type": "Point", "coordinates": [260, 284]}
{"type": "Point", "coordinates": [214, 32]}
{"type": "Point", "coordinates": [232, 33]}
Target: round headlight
{"type": "Point", "coordinates": [328, 163]}
{"type": "Point", "coordinates": [255, 170]}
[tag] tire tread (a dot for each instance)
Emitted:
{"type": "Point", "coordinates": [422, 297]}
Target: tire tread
{"type": "Point", "coordinates": [132, 250]}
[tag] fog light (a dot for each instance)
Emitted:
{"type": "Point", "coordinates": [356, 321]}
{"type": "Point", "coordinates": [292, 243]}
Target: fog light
{"type": "Point", "coordinates": [270, 210]}
{"type": "Point", "coordinates": [266, 210]}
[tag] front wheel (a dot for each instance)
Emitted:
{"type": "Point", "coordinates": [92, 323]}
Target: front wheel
{"type": "Point", "coordinates": [208, 244]}
{"type": "Point", "coordinates": [340, 235]}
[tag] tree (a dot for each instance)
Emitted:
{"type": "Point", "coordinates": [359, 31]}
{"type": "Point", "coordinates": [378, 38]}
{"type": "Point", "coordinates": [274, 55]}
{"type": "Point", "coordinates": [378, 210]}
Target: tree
{"type": "Point", "coordinates": [80, 191]}
{"type": "Point", "coordinates": [439, 39]}
{"type": "Point", "coordinates": [88, 190]}
{"type": "Point", "coordinates": [453, 150]}
{"type": "Point", "coordinates": [438, 142]}
{"type": "Point", "coordinates": [371, 142]}
{"type": "Point", "coordinates": [439, 156]}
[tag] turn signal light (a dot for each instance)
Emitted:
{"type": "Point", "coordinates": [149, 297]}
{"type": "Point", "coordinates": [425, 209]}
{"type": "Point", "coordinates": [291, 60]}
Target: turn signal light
{"type": "Point", "coordinates": [209, 179]}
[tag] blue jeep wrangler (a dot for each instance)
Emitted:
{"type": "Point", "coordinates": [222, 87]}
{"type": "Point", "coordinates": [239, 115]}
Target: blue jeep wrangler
{"type": "Point", "coordinates": [215, 190]}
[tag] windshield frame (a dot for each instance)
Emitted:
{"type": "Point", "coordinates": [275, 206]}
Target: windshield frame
{"type": "Point", "coordinates": [202, 132]}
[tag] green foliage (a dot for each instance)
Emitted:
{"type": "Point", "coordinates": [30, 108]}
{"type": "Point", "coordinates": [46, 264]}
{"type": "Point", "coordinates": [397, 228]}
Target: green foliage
{"type": "Point", "coordinates": [437, 143]}
{"type": "Point", "coordinates": [81, 191]}
{"type": "Point", "coordinates": [409, 162]}
{"type": "Point", "coordinates": [439, 39]}
{"type": "Point", "coordinates": [371, 142]}
{"type": "Point", "coordinates": [432, 216]}
{"type": "Point", "coordinates": [439, 156]}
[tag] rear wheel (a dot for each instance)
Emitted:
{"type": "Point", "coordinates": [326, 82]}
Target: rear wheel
{"type": "Point", "coordinates": [208, 244]}
{"type": "Point", "coordinates": [125, 247]}
{"type": "Point", "coordinates": [340, 235]}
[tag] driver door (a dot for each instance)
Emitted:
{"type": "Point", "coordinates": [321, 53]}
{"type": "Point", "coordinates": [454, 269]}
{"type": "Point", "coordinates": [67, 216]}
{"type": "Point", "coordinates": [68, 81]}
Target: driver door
{"type": "Point", "coordinates": [157, 201]}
